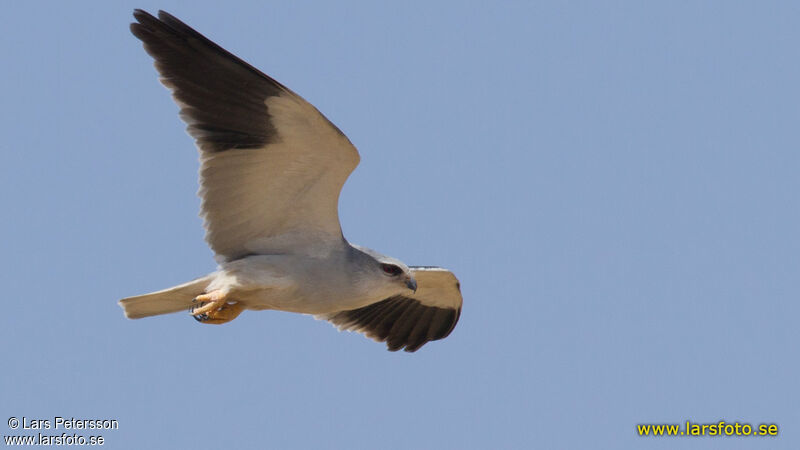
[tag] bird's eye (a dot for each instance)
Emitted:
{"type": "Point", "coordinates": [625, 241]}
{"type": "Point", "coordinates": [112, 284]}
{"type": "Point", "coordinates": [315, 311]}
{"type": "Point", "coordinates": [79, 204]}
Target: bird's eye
{"type": "Point", "coordinates": [391, 269]}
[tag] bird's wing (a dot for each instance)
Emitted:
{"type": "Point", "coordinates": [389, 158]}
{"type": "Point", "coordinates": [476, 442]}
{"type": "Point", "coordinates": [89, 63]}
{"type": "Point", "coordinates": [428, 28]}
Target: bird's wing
{"type": "Point", "coordinates": [272, 166]}
{"type": "Point", "coordinates": [408, 321]}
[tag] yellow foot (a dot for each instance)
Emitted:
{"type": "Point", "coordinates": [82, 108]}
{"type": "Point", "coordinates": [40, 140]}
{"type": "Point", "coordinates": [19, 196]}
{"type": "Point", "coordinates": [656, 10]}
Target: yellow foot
{"type": "Point", "coordinates": [213, 308]}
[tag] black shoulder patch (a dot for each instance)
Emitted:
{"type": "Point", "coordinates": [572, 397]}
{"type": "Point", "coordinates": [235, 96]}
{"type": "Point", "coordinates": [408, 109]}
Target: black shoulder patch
{"type": "Point", "coordinates": [400, 322]}
{"type": "Point", "coordinates": [221, 97]}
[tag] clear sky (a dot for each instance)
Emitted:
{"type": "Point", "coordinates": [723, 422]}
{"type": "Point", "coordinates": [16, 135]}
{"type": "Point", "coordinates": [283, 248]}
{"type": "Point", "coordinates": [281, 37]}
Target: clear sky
{"type": "Point", "coordinates": [614, 183]}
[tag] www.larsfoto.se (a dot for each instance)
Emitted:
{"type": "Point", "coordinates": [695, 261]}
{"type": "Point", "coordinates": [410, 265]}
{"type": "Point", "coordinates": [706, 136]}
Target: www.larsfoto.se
{"type": "Point", "coordinates": [720, 428]}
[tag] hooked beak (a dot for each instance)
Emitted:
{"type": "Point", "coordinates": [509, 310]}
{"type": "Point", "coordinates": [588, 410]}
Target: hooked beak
{"type": "Point", "coordinates": [411, 283]}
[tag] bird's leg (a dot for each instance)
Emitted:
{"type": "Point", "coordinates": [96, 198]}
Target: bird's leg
{"type": "Point", "coordinates": [223, 314]}
{"type": "Point", "coordinates": [209, 302]}
{"type": "Point", "coordinates": [213, 308]}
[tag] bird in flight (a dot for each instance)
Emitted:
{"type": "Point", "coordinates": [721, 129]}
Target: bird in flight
{"type": "Point", "coordinates": [271, 169]}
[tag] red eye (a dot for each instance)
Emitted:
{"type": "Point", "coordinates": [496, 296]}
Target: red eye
{"type": "Point", "coordinates": [391, 269]}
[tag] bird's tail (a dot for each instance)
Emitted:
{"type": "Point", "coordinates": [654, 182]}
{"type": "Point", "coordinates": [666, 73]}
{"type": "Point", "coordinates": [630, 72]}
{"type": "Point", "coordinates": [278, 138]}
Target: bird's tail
{"type": "Point", "coordinates": [174, 299]}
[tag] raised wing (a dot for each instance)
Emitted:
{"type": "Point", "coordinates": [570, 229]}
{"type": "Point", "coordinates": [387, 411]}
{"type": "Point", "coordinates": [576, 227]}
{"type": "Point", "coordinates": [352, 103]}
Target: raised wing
{"type": "Point", "coordinates": [272, 166]}
{"type": "Point", "coordinates": [409, 321]}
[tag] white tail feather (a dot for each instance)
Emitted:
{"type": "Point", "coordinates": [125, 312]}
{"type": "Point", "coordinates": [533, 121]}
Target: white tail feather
{"type": "Point", "coordinates": [174, 299]}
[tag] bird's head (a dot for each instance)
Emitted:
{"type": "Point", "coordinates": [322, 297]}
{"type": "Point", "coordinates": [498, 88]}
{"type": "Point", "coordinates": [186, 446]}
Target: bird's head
{"type": "Point", "coordinates": [388, 274]}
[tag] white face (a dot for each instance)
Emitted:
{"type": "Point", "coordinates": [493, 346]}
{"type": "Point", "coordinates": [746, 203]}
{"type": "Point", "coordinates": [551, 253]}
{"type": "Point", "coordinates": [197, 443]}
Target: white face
{"type": "Point", "coordinates": [398, 274]}
{"type": "Point", "coordinates": [388, 276]}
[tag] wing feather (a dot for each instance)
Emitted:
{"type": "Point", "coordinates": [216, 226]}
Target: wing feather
{"type": "Point", "coordinates": [272, 166]}
{"type": "Point", "coordinates": [409, 321]}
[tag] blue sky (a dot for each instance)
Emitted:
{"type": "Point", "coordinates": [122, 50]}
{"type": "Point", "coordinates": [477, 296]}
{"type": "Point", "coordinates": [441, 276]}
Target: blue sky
{"type": "Point", "coordinates": [614, 183]}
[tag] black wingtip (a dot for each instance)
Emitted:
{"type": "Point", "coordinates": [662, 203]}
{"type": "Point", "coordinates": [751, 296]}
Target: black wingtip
{"type": "Point", "coordinates": [144, 24]}
{"type": "Point", "coordinates": [167, 17]}
{"type": "Point", "coordinates": [175, 23]}
{"type": "Point", "coordinates": [222, 97]}
{"type": "Point", "coordinates": [403, 323]}
{"type": "Point", "coordinates": [139, 13]}
{"type": "Point", "coordinates": [142, 15]}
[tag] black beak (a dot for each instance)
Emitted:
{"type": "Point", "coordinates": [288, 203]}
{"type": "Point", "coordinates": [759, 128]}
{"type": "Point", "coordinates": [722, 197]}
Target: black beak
{"type": "Point", "coordinates": [411, 283]}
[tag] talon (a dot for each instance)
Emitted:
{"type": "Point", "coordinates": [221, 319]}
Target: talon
{"type": "Point", "coordinates": [196, 307]}
{"type": "Point", "coordinates": [208, 302]}
{"type": "Point", "coordinates": [206, 307]}
{"type": "Point", "coordinates": [200, 317]}
{"type": "Point", "coordinates": [213, 308]}
{"type": "Point", "coordinates": [213, 296]}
